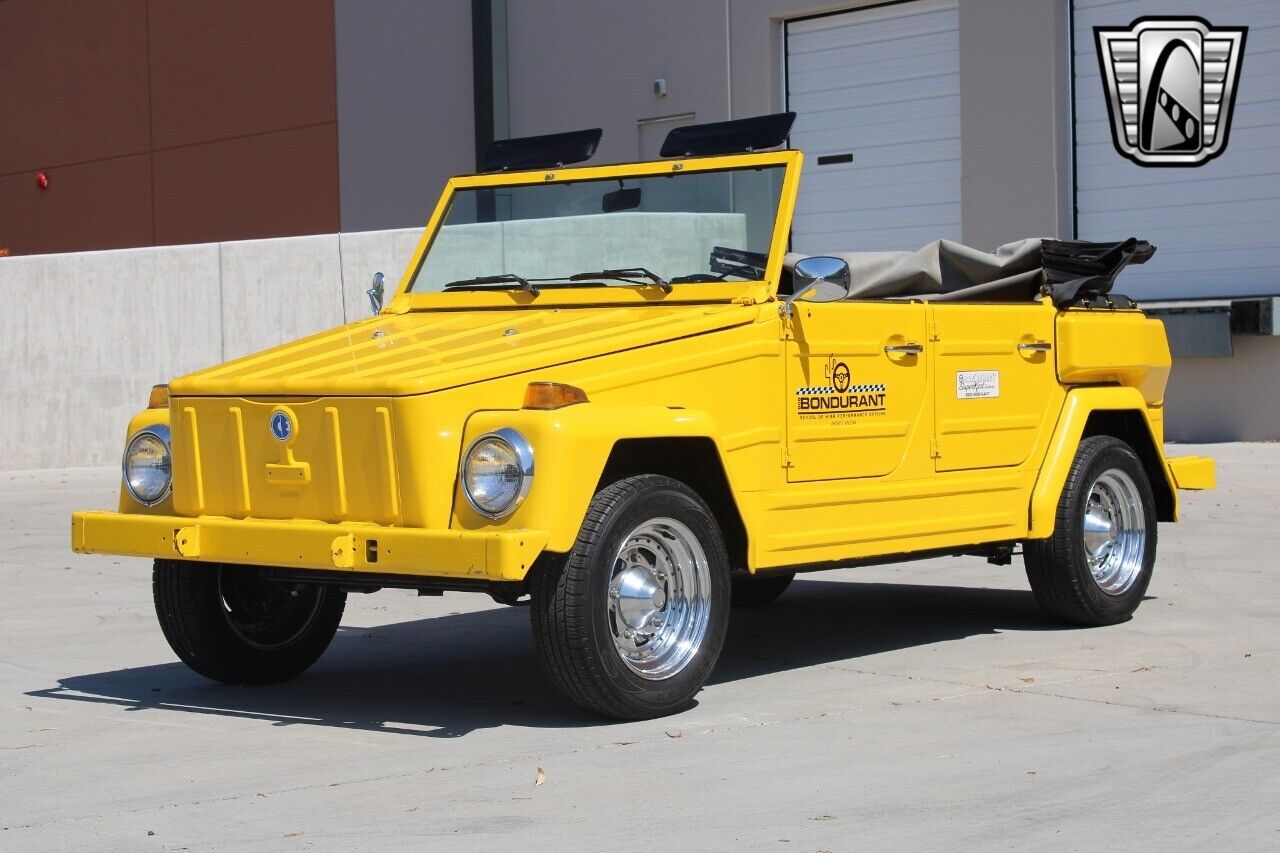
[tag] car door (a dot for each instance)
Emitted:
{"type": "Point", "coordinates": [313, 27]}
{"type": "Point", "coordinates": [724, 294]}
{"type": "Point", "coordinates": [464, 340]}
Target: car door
{"type": "Point", "coordinates": [857, 384]}
{"type": "Point", "coordinates": [994, 382]}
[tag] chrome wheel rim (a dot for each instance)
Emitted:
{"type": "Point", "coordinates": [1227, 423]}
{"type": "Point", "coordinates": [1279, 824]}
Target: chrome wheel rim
{"type": "Point", "coordinates": [659, 601]}
{"type": "Point", "coordinates": [1115, 532]}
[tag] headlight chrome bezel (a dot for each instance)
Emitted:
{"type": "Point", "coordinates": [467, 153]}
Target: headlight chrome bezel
{"type": "Point", "coordinates": [160, 432]}
{"type": "Point", "coordinates": [523, 451]}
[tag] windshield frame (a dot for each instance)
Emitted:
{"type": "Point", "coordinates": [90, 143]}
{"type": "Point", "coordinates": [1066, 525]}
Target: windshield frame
{"type": "Point", "coordinates": [617, 293]}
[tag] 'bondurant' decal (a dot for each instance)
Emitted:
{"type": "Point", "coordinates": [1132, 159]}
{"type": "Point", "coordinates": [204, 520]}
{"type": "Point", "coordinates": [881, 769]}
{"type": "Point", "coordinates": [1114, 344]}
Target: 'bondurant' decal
{"type": "Point", "coordinates": [840, 401]}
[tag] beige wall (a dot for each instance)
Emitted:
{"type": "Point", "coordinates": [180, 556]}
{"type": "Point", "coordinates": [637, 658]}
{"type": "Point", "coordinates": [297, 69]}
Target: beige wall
{"type": "Point", "coordinates": [1226, 399]}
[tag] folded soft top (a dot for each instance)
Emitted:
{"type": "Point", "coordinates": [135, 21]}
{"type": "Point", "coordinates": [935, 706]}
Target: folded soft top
{"type": "Point", "coordinates": [1070, 271]}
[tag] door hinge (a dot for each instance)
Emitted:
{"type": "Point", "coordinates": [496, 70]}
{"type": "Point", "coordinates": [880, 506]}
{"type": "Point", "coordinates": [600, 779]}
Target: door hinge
{"type": "Point", "coordinates": [786, 459]}
{"type": "Point", "coordinates": [933, 330]}
{"type": "Point", "coordinates": [935, 452]}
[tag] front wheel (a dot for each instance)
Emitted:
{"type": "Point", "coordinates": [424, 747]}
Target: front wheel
{"type": "Point", "coordinates": [236, 625]}
{"type": "Point", "coordinates": [1095, 568]}
{"type": "Point", "coordinates": [630, 623]}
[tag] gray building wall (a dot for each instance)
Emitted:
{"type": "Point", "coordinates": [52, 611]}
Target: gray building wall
{"type": "Point", "coordinates": [586, 63]}
{"type": "Point", "coordinates": [406, 109]}
{"type": "Point", "coordinates": [1015, 120]}
{"type": "Point", "coordinates": [578, 63]}
{"type": "Point", "coordinates": [405, 112]}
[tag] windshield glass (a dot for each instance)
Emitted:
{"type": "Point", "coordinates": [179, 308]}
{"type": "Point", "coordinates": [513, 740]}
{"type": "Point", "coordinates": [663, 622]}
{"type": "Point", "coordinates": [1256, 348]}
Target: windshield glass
{"type": "Point", "coordinates": [683, 227]}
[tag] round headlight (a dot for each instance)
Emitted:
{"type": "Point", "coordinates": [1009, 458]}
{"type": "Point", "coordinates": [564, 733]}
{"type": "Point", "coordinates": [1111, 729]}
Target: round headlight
{"type": "Point", "coordinates": [497, 472]}
{"type": "Point", "coordinates": [148, 469]}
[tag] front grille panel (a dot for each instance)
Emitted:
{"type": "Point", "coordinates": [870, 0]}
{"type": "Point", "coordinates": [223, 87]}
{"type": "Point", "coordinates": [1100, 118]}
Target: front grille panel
{"type": "Point", "coordinates": [336, 462]}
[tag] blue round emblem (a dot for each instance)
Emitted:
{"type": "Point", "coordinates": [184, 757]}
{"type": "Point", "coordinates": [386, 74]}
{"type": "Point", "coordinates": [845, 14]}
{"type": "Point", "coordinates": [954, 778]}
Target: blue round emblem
{"type": "Point", "coordinates": [281, 426]}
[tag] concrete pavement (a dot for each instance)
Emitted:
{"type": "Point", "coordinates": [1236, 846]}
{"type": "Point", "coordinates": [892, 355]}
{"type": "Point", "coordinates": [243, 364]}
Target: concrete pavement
{"type": "Point", "coordinates": [912, 706]}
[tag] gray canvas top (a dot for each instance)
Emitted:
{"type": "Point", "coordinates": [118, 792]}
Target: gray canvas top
{"type": "Point", "coordinates": [1072, 272]}
{"type": "Point", "coordinates": [944, 271]}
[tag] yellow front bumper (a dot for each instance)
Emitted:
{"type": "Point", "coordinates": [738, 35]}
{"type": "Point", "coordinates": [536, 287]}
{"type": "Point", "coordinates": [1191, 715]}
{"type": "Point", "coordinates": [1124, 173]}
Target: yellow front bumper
{"type": "Point", "coordinates": [485, 555]}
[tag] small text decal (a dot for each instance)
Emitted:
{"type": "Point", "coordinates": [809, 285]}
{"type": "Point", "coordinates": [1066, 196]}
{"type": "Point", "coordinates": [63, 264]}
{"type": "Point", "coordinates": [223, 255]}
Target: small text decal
{"type": "Point", "coordinates": [972, 384]}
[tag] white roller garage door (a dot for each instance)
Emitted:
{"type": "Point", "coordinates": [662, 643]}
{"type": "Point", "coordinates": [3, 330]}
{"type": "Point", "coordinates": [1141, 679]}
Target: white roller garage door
{"type": "Point", "coordinates": [877, 98]}
{"type": "Point", "coordinates": [1216, 226]}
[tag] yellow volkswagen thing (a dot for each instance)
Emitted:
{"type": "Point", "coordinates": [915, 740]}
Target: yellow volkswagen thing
{"type": "Point", "coordinates": [611, 392]}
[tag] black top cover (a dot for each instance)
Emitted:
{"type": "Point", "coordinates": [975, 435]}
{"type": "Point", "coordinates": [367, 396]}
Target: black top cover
{"type": "Point", "coordinates": [1078, 270]}
{"type": "Point", "coordinates": [728, 137]}
{"type": "Point", "coordinates": [541, 152]}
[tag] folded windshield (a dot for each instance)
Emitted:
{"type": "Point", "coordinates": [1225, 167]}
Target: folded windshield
{"type": "Point", "coordinates": [661, 230]}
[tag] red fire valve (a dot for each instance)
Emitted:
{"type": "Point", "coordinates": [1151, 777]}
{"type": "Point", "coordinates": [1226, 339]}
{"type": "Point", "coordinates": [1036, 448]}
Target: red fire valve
{"type": "Point", "coordinates": [42, 181]}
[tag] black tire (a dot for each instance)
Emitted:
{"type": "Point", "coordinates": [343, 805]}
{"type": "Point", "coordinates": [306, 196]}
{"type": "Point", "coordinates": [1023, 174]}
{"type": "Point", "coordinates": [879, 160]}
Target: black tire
{"type": "Point", "coordinates": [1058, 567]}
{"type": "Point", "coordinates": [573, 627]}
{"type": "Point", "coordinates": [231, 624]}
{"type": "Point", "coordinates": [759, 590]}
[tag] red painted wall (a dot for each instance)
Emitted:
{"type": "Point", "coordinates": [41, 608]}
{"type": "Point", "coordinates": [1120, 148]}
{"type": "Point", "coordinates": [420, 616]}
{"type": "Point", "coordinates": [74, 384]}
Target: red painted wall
{"type": "Point", "coordinates": [165, 121]}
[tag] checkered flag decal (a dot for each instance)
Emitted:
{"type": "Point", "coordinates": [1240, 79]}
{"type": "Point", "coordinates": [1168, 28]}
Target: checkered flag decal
{"type": "Point", "coordinates": [830, 389]}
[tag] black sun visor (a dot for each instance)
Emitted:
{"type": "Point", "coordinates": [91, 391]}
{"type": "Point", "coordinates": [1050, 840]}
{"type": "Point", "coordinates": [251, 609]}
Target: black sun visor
{"type": "Point", "coordinates": [541, 152]}
{"type": "Point", "coordinates": [729, 137]}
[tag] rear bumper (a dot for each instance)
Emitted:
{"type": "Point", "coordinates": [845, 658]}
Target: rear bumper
{"type": "Point", "coordinates": [1192, 472]}
{"type": "Point", "coordinates": [359, 548]}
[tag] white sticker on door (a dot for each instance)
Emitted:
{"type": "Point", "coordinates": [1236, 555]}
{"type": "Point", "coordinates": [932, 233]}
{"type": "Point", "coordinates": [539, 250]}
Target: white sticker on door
{"type": "Point", "coordinates": [972, 384]}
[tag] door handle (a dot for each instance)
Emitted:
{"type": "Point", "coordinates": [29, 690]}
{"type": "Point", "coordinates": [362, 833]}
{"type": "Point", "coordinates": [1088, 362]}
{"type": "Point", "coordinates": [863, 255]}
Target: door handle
{"type": "Point", "coordinates": [904, 349]}
{"type": "Point", "coordinates": [1035, 346]}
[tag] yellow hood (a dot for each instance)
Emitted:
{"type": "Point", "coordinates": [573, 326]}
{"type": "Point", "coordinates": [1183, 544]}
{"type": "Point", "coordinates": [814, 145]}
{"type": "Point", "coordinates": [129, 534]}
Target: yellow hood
{"type": "Point", "coordinates": [420, 352]}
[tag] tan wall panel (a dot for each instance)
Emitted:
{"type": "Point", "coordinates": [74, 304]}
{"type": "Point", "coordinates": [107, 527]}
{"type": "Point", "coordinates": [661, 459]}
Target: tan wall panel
{"type": "Point", "coordinates": [273, 185]}
{"type": "Point", "coordinates": [236, 67]}
{"type": "Point", "coordinates": [101, 205]}
{"type": "Point", "coordinates": [73, 82]}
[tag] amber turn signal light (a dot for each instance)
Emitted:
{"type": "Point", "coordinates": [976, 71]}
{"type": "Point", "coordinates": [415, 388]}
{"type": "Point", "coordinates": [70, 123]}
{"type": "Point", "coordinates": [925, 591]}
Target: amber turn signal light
{"type": "Point", "coordinates": [159, 398]}
{"type": "Point", "coordinates": [552, 395]}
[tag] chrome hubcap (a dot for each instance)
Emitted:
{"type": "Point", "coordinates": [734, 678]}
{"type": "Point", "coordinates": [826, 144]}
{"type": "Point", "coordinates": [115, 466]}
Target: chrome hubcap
{"type": "Point", "coordinates": [1115, 532]}
{"type": "Point", "coordinates": [659, 598]}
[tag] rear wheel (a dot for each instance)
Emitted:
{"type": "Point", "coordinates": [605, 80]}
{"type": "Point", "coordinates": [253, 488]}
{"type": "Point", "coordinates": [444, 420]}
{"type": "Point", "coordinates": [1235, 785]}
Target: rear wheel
{"type": "Point", "coordinates": [1095, 568]}
{"type": "Point", "coordinates": [759, 590]}
{"type": "Point", "coordinates": [630, 622]}
{"type": "Point", "coordinates": [232, 624]}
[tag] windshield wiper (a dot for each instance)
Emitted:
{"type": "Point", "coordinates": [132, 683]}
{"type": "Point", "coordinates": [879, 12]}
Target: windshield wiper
{"type": "Point", "coordinates": [505, 278]}
{"type": "Point", "coordinates": [628, 275]}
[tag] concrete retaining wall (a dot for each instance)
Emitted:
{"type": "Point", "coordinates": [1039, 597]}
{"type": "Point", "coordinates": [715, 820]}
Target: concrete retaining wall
{"type": "Point", "coordinates": [84, 336]}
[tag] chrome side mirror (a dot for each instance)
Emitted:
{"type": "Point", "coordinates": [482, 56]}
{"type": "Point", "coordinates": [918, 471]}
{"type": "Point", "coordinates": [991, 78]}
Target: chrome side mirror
{"type": "Point", "coordinates": [829, 277]}
{"type": "Point", "coordinates": [375, 293]}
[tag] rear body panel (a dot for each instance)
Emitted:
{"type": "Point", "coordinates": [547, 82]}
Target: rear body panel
{"type": "Point", "coordinates": [1114, 348]}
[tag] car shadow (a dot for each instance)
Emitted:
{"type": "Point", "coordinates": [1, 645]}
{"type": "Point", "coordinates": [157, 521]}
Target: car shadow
{"type": "Point", "coordinates": [450, 675]}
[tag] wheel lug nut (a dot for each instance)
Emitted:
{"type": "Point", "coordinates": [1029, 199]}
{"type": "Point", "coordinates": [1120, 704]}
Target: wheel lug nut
{"type": "Point", "coordinates": [628, 635]}
{"type": "Point", "coordinates": [613, 593]}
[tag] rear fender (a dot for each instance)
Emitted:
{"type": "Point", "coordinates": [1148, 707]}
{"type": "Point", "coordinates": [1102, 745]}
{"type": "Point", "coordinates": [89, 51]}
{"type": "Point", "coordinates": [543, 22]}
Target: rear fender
{"type": "Point", "coordinates": [1119, 411]}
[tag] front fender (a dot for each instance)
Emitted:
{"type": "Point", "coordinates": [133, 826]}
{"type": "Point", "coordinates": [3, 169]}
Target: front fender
{"type": "Point", "coordinates": [570, 449]}
{"type": "Point", "coordinates": [1080, 404]}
